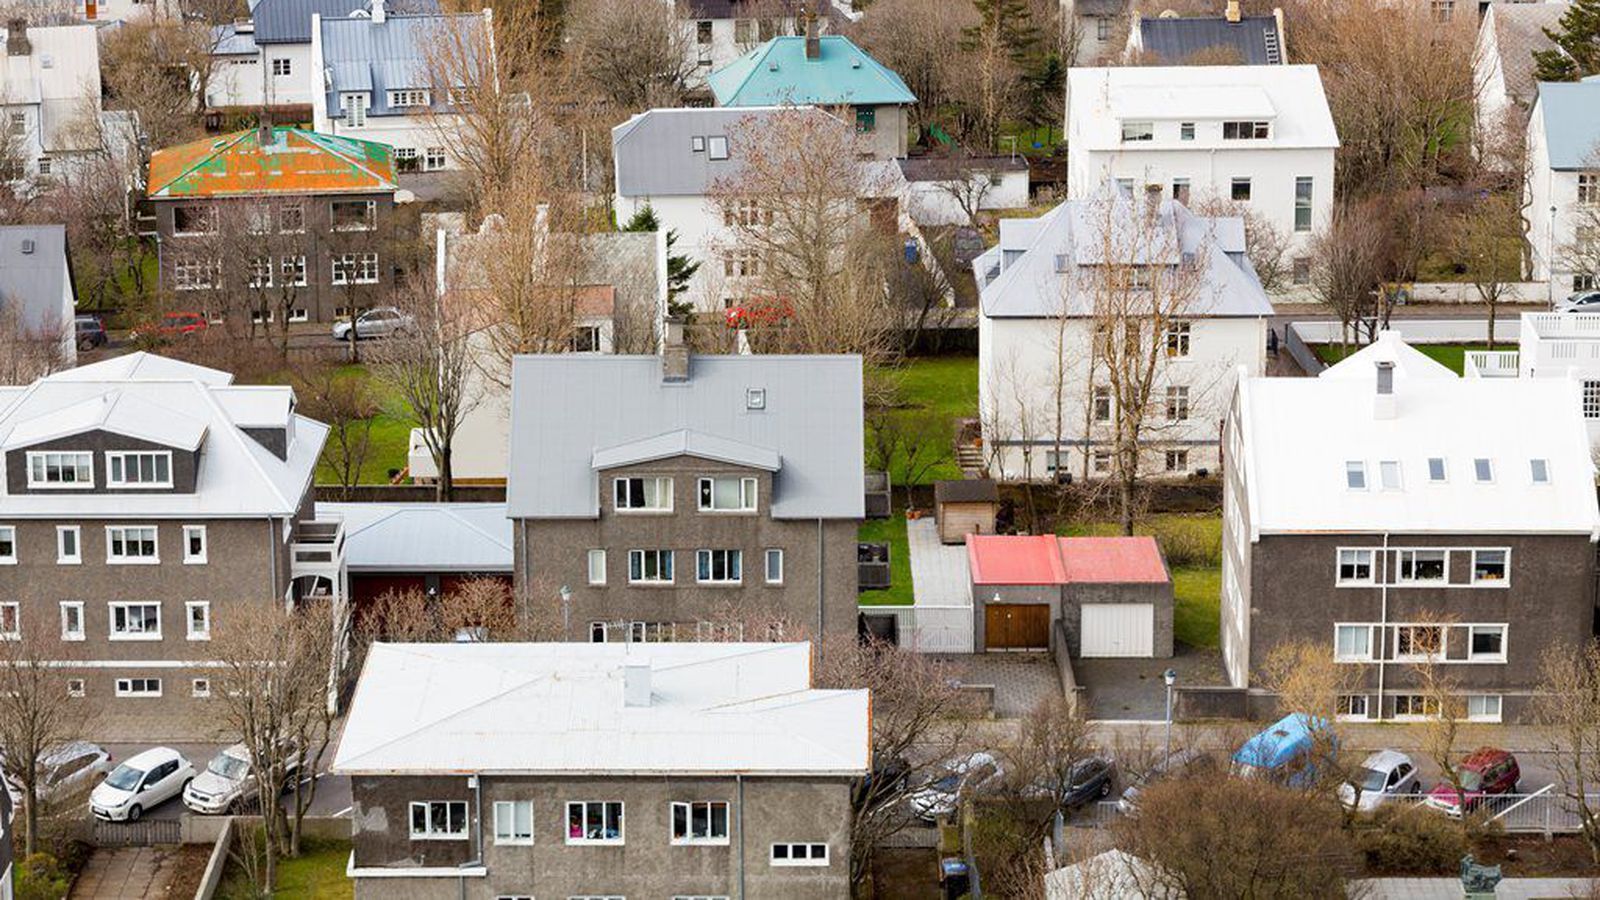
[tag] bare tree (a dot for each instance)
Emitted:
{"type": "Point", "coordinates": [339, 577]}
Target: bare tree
{"type": "Point", "coordinates": [29, 351]}
{"type": "Point", "coordinates": [965, 181]}
{"type": "Point", "coordinates": [1265, 244]}
{"type": "Point", "coordinates": [1489, 242]}
{"type": "Point", "coordinates": [1581, 255]}
{"type": "Point", "coordinates": [1567, 703]}
{"type": "Point", "coordinates": [1308, 680]}
{"type": "Point", "coordinates": [35, 718]}
{"type": "Point", "coordinates": [1347, 257]}
{"type": "Point", "coordinates": [636, 55]}
{"type": "Point", "coordinates": [907, 445]}
{"type": "Point", "coordinates": [346, 403]}
{"type": "Point", "coordinates": [914, 38]}
{"type": "Point", "coordinates": [149, 66]}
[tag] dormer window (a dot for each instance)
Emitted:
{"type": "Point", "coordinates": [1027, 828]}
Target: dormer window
{"type": "Point", "coordinates": [727, 494]}
{"type": "Point", "coordinates": [143, 469]}
{"type": "Point", "coordinates": [410, 97]}
{"type": "Point", "coordinates": [1245, 131]}
{"type": "Point", "coordinates": [61, 470]}
{"type": "Point", "coordinates": [653, 494]}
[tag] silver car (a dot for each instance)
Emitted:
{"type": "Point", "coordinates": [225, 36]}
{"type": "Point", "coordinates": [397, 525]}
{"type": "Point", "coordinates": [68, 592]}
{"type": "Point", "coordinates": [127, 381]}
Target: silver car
{"type": "Point", "coordinates": [70, 766]}
{"type": "Point", "coordinates": [1384, 775]}
{"type": "Point", "coordinates": [1582, 301]}
{"type": "Point", "coordinates": [227, 785]}
{"type": "Point", "coordinates": [378, 322]}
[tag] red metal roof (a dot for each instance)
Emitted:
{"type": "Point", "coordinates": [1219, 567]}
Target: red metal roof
{"type": "Point", "coordinates": [1046, 559]}
{"type": "Point", "coordinates": [1014, 559]}
{"type": "Point", "coordinates": [1116, 560]}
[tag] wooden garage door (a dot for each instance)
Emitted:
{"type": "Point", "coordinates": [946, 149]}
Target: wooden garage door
{"type": "Point", "coordinates": [1017, 626]}
{"type": "Point", "coordinates": [1118, 629]}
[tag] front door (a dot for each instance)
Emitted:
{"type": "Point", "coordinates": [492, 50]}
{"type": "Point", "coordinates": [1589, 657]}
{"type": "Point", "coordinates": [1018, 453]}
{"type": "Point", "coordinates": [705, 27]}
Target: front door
{"type": "Point", "coordinates": [1017, 626]}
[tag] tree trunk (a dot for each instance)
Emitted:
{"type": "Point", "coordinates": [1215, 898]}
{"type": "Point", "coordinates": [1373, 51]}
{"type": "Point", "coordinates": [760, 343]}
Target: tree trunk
{"type": "Point", "coordinates": [1491, 325]}
{"type": "Point", "coordinates": [1125, 499]}
{"type": "Point", "coordinates": [445, 490]}
{"type": "Point", "coordinates": [31, 845]}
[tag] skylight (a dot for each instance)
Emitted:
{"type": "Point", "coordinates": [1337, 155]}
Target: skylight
{"type": "Point", "coordinates": [1483, 468]}
{"type": "Point", "coordinates": [1436, 468]}
{"type": "Point", "coordinates": [1540, 469]}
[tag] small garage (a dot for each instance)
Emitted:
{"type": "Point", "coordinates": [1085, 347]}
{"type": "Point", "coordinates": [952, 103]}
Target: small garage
{"type": "Point", "coordinates": [965, 507]}
{"type": "Point", "coordinates": [431, 547]}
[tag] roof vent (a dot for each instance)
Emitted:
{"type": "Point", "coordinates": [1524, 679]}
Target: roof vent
{"type": "Point", "coordinates": [27, 245]}
{"type": "Point", "coordinates": [855, 63]}
{"type": "Point", "coordinates": [772, 65]}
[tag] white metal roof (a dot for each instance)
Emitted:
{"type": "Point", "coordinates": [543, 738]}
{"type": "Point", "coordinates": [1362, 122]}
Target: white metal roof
{"type": "Point", "coordinates": [560, 709]}
{"type": "Point", "coordinates": [1409, 362]}
{"type": "Point", "coordinates": [1291, 97]}
{"type": "Point", "coordinates": [424, 537]}
{"type": "Point", "coordinates": [686, 442]}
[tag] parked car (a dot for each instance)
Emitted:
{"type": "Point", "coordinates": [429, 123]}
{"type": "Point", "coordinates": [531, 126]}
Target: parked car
{"type": "Point", "coordinates": [1089, 780]}
{"type": "Point", "coordinates": [226, 785]}
{"type": "Point", "coordinates": [1179, 764]}
{"type": "Point", "coordinates": [942, 795]}
{"type": "Point", "coordinates": [90, 332]}
{"type": "Point", "coordinates": [1582, 301]}
{"type": "Point", "coordinates": [170, 325]}
{"type": "Point", "coordinates": [378, 322]}
{"type": "Point", "coordinates": [1483, 773]}
{"type": "Point", "coordinates": [145, 781]}
{"type": "Point", "coordinates": [70, 766]}
{"type": "Point", "coordinates": [1288, 751]}
{"type": "Point", "coordinates": [1384, 774]}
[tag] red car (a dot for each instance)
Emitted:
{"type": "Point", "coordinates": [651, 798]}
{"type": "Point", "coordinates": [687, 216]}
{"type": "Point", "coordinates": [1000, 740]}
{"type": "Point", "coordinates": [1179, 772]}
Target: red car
{"type": "Point", "coordinates": [171, 324]}
{"type": "Point", "coordinates": [759, 312]}
{"type": "Point", "coordinates": [1484, 773]}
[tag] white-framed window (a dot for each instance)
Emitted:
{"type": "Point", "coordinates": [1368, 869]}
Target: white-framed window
{"type": "Point", "coordinates": [598, 632]}
{"type": "Point", "coordinates": [192, 219]}
{"type": "Point", "coordinates": [194, 544]}
{"type": "Point", "coordinates": [433, 159]}
{"type": "Point", "coordinates": [697, 144]}
{"type": "Point", "coordinates": [717, 146]}
{"type": "Point", "coordinates": [700, 822]}
{"type": "Point", "coordinates": [1539, 470]}
{"type": "Point", "coordinates": [1491, 567]}
{"type": "Point", "coordinates": [191, 273]}
{"type": "Point", "coordinates": [774, 565]}
{"type": "Point", "coordinates": [650, 566]}
{"type": "Point", "coordinates": [799, 854]}
{"type": "Point", "coordinates": [1415, 706]}
{"type": "Point", "coordinates": [1591, 399]}
{"type": "Point", "coordinates": [1177, 403]}
{"type": "Point", "coordinates": [143, 468]}
{"type": "Point", "coordinates": [513, 821]}
{"type": "Point", "coordinates": [728, 493]}
{"type": "Point", "coordinates": [355, 108]}
{"type": "Point", "coordinates": [200, 687]}
{"type": "Point", "coordinates": [1302, 203]}
{"type": "Point", "coordinates": [1138, 131]}
{"type": "Point", "coordinates": [408, 97]}
{"type": "Point", "coordinates": [1101, 462]}
{"type": "Point", "coordinates": [353, 215]}
{"type": "Point", "coordinates": [299, 314]}
{"type": "Point", "coordinates": [1486, 643]}
{"type": "Point", "coordinates": [1177, 460]}
{"type": "Point", "coordinates": [1102, 28]}
{"type": "Point", "coordinates": [75, 688]}
{"type": "Point", "coordinates": [72, 620]}
{"type": "Point", "coordinates": [69, 545]}
{"type": "Point", "coordinates": [1239, 190]}
{"type": "Point", "coordinates": [1422, 566]}
{"type": "Point", "coordinates": [135, 621]}
{"type": "Point", "coordinates": [1245, 131]}
{"type": "Point", "coordinates": [719, 566]}
{"type": "Point", "coordinates": [1413, 643]}
{"type": "Point", "coordinates": [1177, 338]}
{"type": "Point", "coordinates": [197, 620]}
{"type": "Point", "coordinates": [294, 270]}
{"type": "Point", "coordinates": [131, 545]}
{"type": "Point", "coordinates": [1300, 270]}
{"type": "Point", "coordinates": [1352, 643]}
{"type": "Point", "coordinates": [69, 469]}
{"type": "Point", "coordinates": [1352, 706]}
{"type": "Point", "coordinates": [138, 687]}
{"type": "Point", "coordinates": [647, 494]}
{"type": "Point", "coordinates": [597, 566]}
{"type": "Point", "coordinates": [1356, 566]}
{"type": "Point", "coordinates": [292, 218]}
{"type": "Point", "coordinates": [1588, 188]}
{"type": "Point", "coordinates": [258, 219]}
{"type": "Point", "coordinates": [595, 822]}
{"type": "Point", "coordinates": [1355, 475]}
{"type": "Point", "coordinates": [282, 67]}
{"type": "Point", "coordinates": [8, 545]}
{"type": "Point", "coordinates": [1185, 131]}
{"type": "Point", "coordinates": [439, 820]}
{"type": "Point", "coordinates": [1436, 469]}
{"type": "Point", "coordinates": [261, 271]}
{"type": "Point", "coordinates": [651, 632]}
{"type": "Point", "coordinates": [10, 621]}
{"type": "Point", "coordinates": [354, 268]}
{"type": "Point", "coordinates": [1389, 474]}
{"type": "Point", "coordinates": [1100, 402]}
{"type": "Point", "coordinates": [1483, 470]}
{"type": "Point", "coordinates": [1483, 707]}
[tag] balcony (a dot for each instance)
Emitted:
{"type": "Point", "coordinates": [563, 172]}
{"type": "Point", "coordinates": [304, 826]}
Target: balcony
{"type": "Point", "coordinates": [1492, 364]}
{"type": "Point", "coordinates": [316, 558]}
{"type": "Point", "coordinates": [1553, 343]}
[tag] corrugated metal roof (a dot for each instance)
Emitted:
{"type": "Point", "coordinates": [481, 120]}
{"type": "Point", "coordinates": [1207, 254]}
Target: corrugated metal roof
{"type": "Point", "coordinates": [228, 40]}
{"type": "Point", "coordinates": [655, 150]}
{"type": "Point", "coordinates": [1571, 112]}
{"type": "Point", "coordinates": [1113, 560]}
{"type": "Point", "coordinates": [1175, 40]}
{"type": "Point", "coordinates": [362, 55]}
{"type": "Point", "coordinates": [778, 72]}
{"type": "Point", "coordinates": [296, 162]}
{"type": "Point", "coordinates": [564, 407]}
{"type": "Point", "coordinates": [424, 537]}
{"type": "Point", "coordinates": [289, 21]}
{"type": "Point", "coordinates": [36, 284]}
{"type": "Point", "coordinates": [1014, 559]}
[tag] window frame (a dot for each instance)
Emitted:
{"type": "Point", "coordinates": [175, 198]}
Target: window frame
{"type": "Point", "coordinates": [1496, 716]}
{"type": "Point", "coordinates": [661, 553]}
{"type": "Point", "coordinates": [622, 823]}
{"type": "Point", "coordinates": [190, 633]}
{"type": "Point", "coordinates": [624, 484]}
{"type": "Point", "coordinates": [1439, 654]}
{"type": "Point", "coordinates": [77, 608]}
{"type": "Point", "coordinates": [809, 860]}
{"type": "Point", "coordinates": [1137, 131]}
{"type": "Point", "coordinates": [590, 569]}
{"type": "Point", "coordinates": [1371, 578]}
{"type": "Point", "coordinates": [1480, 466]}
{"type": "Point", "coordinates": [749, 494]}
{"type": "Point", "coordinates": [124, 688]}
{"type": "Point", "coordinates": [200, 688]}
{"type": "Point", "coordinates": [1303, 202]}
{"type": "Point", "coordinates": [63, 558]}
{"type": "Point", "coordinates": [118, 459]}
{"type": "Point", "coordinates": [1444, 470]}
{"type": "Point", "coordinates": [767, 558]}
{"type": "Point", "coordinates": [1539, 470]}
{"type": "Point", "coordinates": [43, 457]}
{"type": "Point", "coordinates": [1401, 555]}
{"type": "Point", "coordinates": [9, 558]}
{"type": "Point", "coordinates": [512, 838]}
{"type": "Point", "coordinates": [112, 634]}
{"type": "Point", "coordinates": [1372, 642]}
{"type": "Point", "coordinates": [1504, 630]}
{"type": "Point", "coordinates": [191, 558]}
{"type": "Point", "coordinates": [124, 559]}
{"type": "Point", "coordinates": [705, 560]}
{"type": "Point", "coordinates": [1502, 582]}
{"type": "Point", "coordinates": [13, 609]}
{"type": "Point", "coordinates": [1415, 716]}
{"type": "Point", "coordinates": [1346, 712]}
{"type": "Point", "coordinates": [428, 834]}
{"type": "Point", "coordinates": [1237, 182]}
{"type": "Point", "coordinates": [1177, 403]}
{"type": "Point", "coordinates": [688, 839]}
{"type": "Point", "coordinates": [1358, 469]}
{"type": "Point", "coordinates": [368, 221]}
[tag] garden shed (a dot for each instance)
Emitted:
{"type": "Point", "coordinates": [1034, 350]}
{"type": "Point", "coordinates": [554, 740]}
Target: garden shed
{"type": "Point", "coordinates": [965, 507]}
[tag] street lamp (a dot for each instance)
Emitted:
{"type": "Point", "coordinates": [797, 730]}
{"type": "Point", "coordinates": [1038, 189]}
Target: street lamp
{"type": "Point", "coordinates": [1170, 676]}
{"type": "Point", "coordinates": [566, 613]}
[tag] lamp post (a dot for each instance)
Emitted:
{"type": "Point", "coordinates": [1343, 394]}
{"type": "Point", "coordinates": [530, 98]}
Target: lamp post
{"type": "Point", "coordinates": [566, 613]}
{"type": "Point", "coordinates": [1170, 676]}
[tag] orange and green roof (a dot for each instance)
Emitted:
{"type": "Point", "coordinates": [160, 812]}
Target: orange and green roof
{"type": "Point", "coordinates": [295, 162]}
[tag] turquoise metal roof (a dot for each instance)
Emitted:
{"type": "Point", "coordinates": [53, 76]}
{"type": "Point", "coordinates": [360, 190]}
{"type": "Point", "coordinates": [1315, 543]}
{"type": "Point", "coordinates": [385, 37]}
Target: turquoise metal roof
{"type": "Point", "coordinates": [778, 72]}
{"type": "Point", "coordinates": [1572, 122]}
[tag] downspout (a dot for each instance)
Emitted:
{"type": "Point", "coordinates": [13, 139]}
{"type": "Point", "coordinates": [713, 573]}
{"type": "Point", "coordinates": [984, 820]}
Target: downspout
{"type": "Point", "coordinates": [476, 783]}
{"type": "Point", "coordinates": [739, 815]}
{"type": "Point", "coordinates": [1383, 620]}
{"type": "Point", "coordinates": [272, 555]}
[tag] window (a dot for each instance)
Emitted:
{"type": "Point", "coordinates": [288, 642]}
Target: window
{"type": "Point", "coordinates": [702, 32]}
{"type": "Point", "coordinates": [10, 621]}
{"type": "Point", "coordinates": [1486, 643]}
{"type": "Point", "coordinates": [355, 268]}
{"type": "Point", "coordinates": [19, 123]}
{"type": "Point", "coordinates": [1180, 190]}
{"type": "Point", "coordinates": [61, 470]}
{"type": "Point", "coordinates": [774, 566]}
{"type": "Point", "coordinates": [1421, 565]}
{"type": "Point", "coordinates": [513, 822]}
{"type": "Point", "coordinates": [719, 566]}
{"type": "Point", "coordinates": [717, 147]}
{"type": "Point", "coordinates": [1418, 642]}
{"type": "Point", "coordinates": [597, 632]}
{"type": "Point", "coordinates": [866, 120]}
{"type": "Point", "coordinates": [1240, 190]}
{"type": "Point", "coordinates": [651, 632]}
{"type": "Point", "coordinates": [126, 544]}
{"type": "Point", "coordinates": [1355, 566]}
{"type": "Point", "coordinates": [282, 66]}
{"type": "Point", "coordinates": [697, 144]}
{"type": "Point", "coordinates": [433, 159]}
{"type": "Point", "coordinates": [744, 31]}
{"type": "Point", "coordinates": [1301, 270]}
{"type": "Point", "coordinates": [1355, 475]}
{"type": "Point", "coordinates": [75, 687]}
{"type": "Point", "coordinates": [1539, 470]}
{"type": "Point", "coordinates": [1351, 706]}
{"type": "Point", "coordinates": [1302, 204]}
{"type": "Point", "coordinates": [1102, 403]}
{"type": "Point", "coordinates": [1102, 461]}
{"type": "Point", "coordinates": [1483, 470]}
{"type": "Point", "coordinates": [8, 545]}
{"type": "Point", "coordinates": [1185, 131]}
{"type": "Point", "coordinates": [1415, 706]}
{"type": "Point", "coordinates": [1436, 470]}
{"type": "Point", "coordinates": [799, 854]}
{"type": "Point", "coordinates": [590, 822]}
{"type": "Point", "coordinates": [145, 469]}
{"type": "Point", "coordinates": [597, 567]}
{"type": "Point", "coordinates": [1102, 28]}
{"type": "Point", "coordinates": [138, 687]}
{"type": "Point", "coordinates": [1389, 474]}
{"type": "Point", "coordinates": [197, 616]}
{"type": "Point", "coordinates": [1245, 131]}
{"type": "Point", "coordinates": [1138, 131]}
{"type": "Point", "coordinates": [1352, 643]}
{"type": "Point", "coordinates": [1177, 334]}
{"type": "Point", "coordinates": [728, 494]}
{"type": "Point", "coordinates": [648, 494]}
{"type": "Point", "coordinates": [1483, 707]}
{"type": "Point", "coordinates": [72, 620]}
{"type": "Point", "coordinates": [294, 270]}
{"type": "Point", "coordinates": [755, 398]}
{"type": "Point", "coordinates": [650, 566]}
{"type": "Point", "coordinates": [135, 621]}
{"type": "Point", "coordinates": [1589, 188]}
{"type": "Point", "coordinates": [261, 272]}
{"type": "Point", "coordinates": [1177, 403]}
{"type": "Point", "coordinates": [291, 218]}
{"type": "Point", "coordinates": [258, 219]}
{"type": "Point", "coordinates": [586, 339]}
{"type": "Point", "coordinates": [1583, 282]}
{"type": "Point", "coordinates": [1177, 460]}
{"type": "Point", "coordinates": [67, 546]}
{"type": "Point", "coordinates": [200, 687]}
{"type": "Point", "coordinates": [439, 820]}
{"type": "Point", "coordinates": [194, 219]}
{"type": "Point", "coordinates": [1125, 187]}
{"type": "Point", "coordinates": [405, 98]}
{"type": "Point", "coordinates": [700, 822]}
{"type": "Point", "coordinates": [355, 109]}
{"type": "Point", "coordinates": [353, 215]}
{"type": "Point", "coordinates": [1490, 566]}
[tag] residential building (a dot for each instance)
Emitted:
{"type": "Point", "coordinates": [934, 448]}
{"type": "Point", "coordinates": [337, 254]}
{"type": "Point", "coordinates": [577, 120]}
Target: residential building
{"type": "Point", "coordinates": [671, 493]}
{"type": "Point", "coordinates": [720, 31]}
{"type": "Point", "coordinates": [1101, 28]}
{"type": "Point", "coordinates": [1370, 509]}
{"type": "Point", "coordinates": [285, 222]}
{"type": "Point", "coordinates": [1045, 400]}
{"type": "Point", "coordinates": [1562, 188]}
{"type": "Point", "coordinates": [49, 95]}
{"type": "Point", "coordinates": [578, 770]}
{"type": "Point", "coordinates": [1551, 345]}
{"type": "Point", "coordinates": [1231, 37]}
{"type": "Point", "coordinates": [431, 547]}
{"type": "Point", "coordinates": [37, 296]}
{"type": "Point", "coordinates": [1503, 65]}
{"type": "Point", "coordinates": [1256, 137]}
{"type": "Point", "coordinates": [828, 71]}
{"type": "Point", "coordinates": [380, 82]}
{"type": "Point", "coordinates": [145, 501]}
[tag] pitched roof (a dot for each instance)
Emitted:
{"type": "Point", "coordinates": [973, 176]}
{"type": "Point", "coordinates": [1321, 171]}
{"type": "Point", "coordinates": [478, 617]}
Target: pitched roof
{"type": "Point", "coordinates": [1409, 362]}
{"type": "Point", "coordinates": [38, 284]}
{"type": "Point", "coordinates": [1015, 559]}
{"type": "Point", "coordinates": [778, 72]}
{"type": "Point", "coordinates": [1175, 39]}
{"type": "Point", "coordinates": [1518, 32]}
{"type": "Point", "coordinates": [295, 162]}
{"type": "Point", "coordinates": [561, 709]}
{"type": "Point", "coordinates": [1571, 112]}
{"type": "Point", "coordinates": [62, 76]}
{"type": "Point", "coordinates": [359, 54]}
{"type": "Point", "coordinates": [569, 411]}
{"type": "Point", "coordinates": [424, 537]}
{"type": "Point", "coordinates": [966, 490]}
{"type": "Point", "coordinates": [735, 9]}
{"type": "Point", "coordinates": [655, 155]}
{"type": "Point", "coordinates": [289, 21]}
{"type": "Point", "coordinates": [1001, 559]}
{"type": "Point", "coordinates": [230, 40]}
{"type": "Point", "coordinates": [1291, 97]}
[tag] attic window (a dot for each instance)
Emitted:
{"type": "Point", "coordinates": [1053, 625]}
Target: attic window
{"type": "Point", "coordinates": [1540, 469]}
{"type": "Point", "coordinates": [1436, 469]}
{"type": "Point", "coordinates": [717, 147]}
{"type": "Point", "coordinates": [755, 398]}
{"type": "Point", "coordinates": [1063, 264]}
{"type": "Point", "coordinates": [697, 144]}
{"type": "Point", "coordinates": [1483, 469]}
{"type": "Point", "coordinates": [1389, 474]}
{"type": "Point", "coordinates": [1355, 475]}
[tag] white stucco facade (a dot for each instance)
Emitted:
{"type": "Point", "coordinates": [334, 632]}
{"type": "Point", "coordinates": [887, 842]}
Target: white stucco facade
{"type": "Point", "coordinates": [1561, 199]}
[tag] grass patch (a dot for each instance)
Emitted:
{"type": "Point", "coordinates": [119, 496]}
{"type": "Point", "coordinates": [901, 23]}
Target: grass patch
{"type": "Point", "coordinates": [1197, 613]}
{"type": "Point", "coordinates": [390, 439]}
{"type": "Point", "coordinates": [940, 389]}
{"type": "Point", "coordinates": [1451, 356]}
{"type": "Point", "coordinates": [317, 873]}
{"type": "Point", "coordinates": [891, 531]}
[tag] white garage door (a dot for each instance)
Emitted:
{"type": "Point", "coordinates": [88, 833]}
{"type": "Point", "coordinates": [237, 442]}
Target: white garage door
{"type": "Point", "coordinates": [1118, 629]}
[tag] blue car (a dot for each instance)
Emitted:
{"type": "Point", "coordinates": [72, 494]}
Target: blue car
{"type": "Point", "coordinates": [1288, 751]}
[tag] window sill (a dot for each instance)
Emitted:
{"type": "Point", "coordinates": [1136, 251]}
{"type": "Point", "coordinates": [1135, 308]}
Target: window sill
{"type": "Point", "coordinates": [729, 512]}
{"type": "Point", "coordinates": [72, 637]}
{"type": "Point", "coordinates": [516, 843]}
{"type": "Point", "coordinates": [198, 638]}
{"type": "Point", "coordinates": [64, 562]}
{"type": "Point", "coordinates": [438, 837]}
{"type": "Point", "coordinates": [785, 864]}
{"type": "Point", "coordinates": [137, 486]}
{"type": "Point", "coordinates": [60, 487]}
{"type": "Point", "coordinates": [133, 637]}
{"type": "Point", "coordinates": [701, 842]}
{"type": "Point", "coordinates": [642, 512]}
{"type": "Point", "coordinates": [8, 561]}
{"type": "Point", "coordinates": [585, 842]}
{"type": "Point", "coordinates": [652, 584]}
{"type": "Point", "coordinates": [145, 561]}
{"type": "Point", "coordinates": [718, 584]}
{"type": "Point", "coordinates": [198, 561]}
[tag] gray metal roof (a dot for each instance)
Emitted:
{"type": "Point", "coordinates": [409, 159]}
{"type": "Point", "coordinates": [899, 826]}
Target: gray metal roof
{"type": "Point", "coordinates": [655, 155]}
{"type": "Point", "coordinates": [289, 21]}
{"type": "Point", "coordinates": [1175, 40]}
{"type": "Point", "coordinates": [35, 282]}
{"type": "Point", "coordinates": [362, 55]}
{"type": "Point", "coordinates": [567, 408]}
{"type": "Point", "coordinates": [1518, 32]}
{"type": "Point", "coordinates": [1571, 113]}
{"type": "Point", "coordinates": [424, 537]}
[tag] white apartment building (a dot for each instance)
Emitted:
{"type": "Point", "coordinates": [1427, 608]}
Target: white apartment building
{"type": "Point", "coordinates": [1260, 136]}
{"type": "Point", "coordinates": [1562, 189]}
{"type": "Point", "coordinates": [718, 32]}
{"type": "Point", "coordinates": [1045, 404]}
{"type": "Point", "coordinates": [1551, 345]}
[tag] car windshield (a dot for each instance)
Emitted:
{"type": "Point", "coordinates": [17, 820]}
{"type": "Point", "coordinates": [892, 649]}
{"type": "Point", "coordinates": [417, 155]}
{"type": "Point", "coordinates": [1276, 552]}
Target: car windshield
{"type": "Point", "coordinates": [1470, 780]}
{"type": "Point", "coordinates": [125, 777]}
{"type": "Point", "coordinates": [230, 767]}
{"type": "Point", "coordinates": [1373, 780]}
{"type": "Point", "coordinates": [69, 768]}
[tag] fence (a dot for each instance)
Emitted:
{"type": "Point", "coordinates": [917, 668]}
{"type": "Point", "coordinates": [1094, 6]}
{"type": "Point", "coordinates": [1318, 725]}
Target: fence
{"type": "Point", "coordinates": [1507, 329]}
{"type": "Point", "coordinates": [1301, 353]}
{"type": "Point", "coordinates": [143, 833]}
{"type": "Point", "coordinates": [929, 629]}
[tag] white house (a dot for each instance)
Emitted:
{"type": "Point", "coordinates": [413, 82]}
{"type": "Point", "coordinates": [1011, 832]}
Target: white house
{"type": "Point", "coordinates": [1040, 387]}
{"type": "Point", "coordinates": [1502, 62]}
{"type": "Point", "coordinates": [378, 83]}
{"type": "Point", "coordinates": [1551, 345]}
{"type": "Point", "coordinates": [50, 92]}
{"type": "Point", "coordinates": [1101, 27]}
{"type": "Point", "coordinates": [1562, 188]}
{"type": "Point", "coordinates": [36, 287]}
{"type": "Point", "coordinates": [719, 31]}
{"type": "Point", "coordinates": [1260, 136]}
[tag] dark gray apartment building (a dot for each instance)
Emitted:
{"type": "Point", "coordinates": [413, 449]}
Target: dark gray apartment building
{"type": "Point", "coordinates": [670, 496]}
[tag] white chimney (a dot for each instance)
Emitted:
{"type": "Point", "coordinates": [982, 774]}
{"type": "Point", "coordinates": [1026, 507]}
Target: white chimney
{"type": "Point", "coordinates": [636, 683]}
{"type": "Point", "coordinates": [1234, 13]}
{"type": "Point", "coordinates": [1383, 400]}
{"type": "Point", "coordinates": [377, 12]}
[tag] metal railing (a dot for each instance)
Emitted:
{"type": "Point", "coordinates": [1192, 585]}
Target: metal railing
{"type": "Point", "coordinates": [1561, 325]}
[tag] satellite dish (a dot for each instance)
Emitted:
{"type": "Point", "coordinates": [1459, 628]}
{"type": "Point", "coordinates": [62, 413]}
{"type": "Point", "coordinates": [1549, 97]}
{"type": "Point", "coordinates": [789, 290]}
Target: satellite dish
{"type": "Point", "coordinates": [1168, 14]}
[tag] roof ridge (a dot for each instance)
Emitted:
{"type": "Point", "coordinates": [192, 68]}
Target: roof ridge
{"type": "Point", "coordinates": [319, 140]}
{"type": "Point", "coordinates": [472, 525]}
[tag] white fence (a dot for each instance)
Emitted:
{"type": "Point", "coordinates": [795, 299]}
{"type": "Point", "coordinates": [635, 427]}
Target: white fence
{"type": "Point", "coordinates": [930, 629]}
{"type": "Point", "coordinates": [1507, 328]}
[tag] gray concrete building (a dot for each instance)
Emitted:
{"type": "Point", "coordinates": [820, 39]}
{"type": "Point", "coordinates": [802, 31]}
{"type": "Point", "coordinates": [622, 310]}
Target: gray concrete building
{"type": "Point", "coordinates": [676, 496]}
{"type": "Point", "coordinates": [573, 770]}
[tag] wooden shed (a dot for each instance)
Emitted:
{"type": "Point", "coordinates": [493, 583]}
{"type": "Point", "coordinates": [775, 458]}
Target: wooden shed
{"type": "Point", "coordinates": [965, 507]}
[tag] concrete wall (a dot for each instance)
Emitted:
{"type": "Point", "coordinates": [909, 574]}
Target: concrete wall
{"type": "Point", "coordinates": [1075, 596]}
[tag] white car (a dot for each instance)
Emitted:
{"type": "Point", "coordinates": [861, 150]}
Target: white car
{"type": "Point", "coordinates": [1582, 301]}
{"type": "Point", "coordinates": [942, 795]}
{"type": "Point", "coordinates": [226, 784]}
{"type": "Point", "coordinates": [145, 781]}
{"type": "Point", "coordinates": [1384, 774]}
{"type": "Point", "coordinates": [70, 766]}
{"type": "Point", "coordinates": [377, 322]}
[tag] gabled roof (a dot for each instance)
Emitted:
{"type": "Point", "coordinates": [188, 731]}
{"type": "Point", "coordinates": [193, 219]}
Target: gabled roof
{"type": "Point", "coordinates": [38, 283]}
{"type": "Point", "coordinates": [1291, 97]}
{"type": "Point", "coordinates": [289, 21]}
{"type": "Point", "coordinates": [1409, 362]}
{"type": "Point", "coordinates": [569, 409]}
{"type": "Point", "coordinates": [360, 54]}
{"type": "Point", "coordinates": [62, 76]}
{"type": "Point", "coordinates": [686, 442]}
{"type": "Point", "coordinates": [559, 709]}
{"type": "Point", "coordinates": [129, 415]}
{"type": "Point", "coordinates": [1571, 112]}
{"type": "Point", "coordinates": [1518, 32]}
{"type": "Point", "coordinates": [778, 72]}
{"type": "Point", "coordinates": [1174, 39]}
{"type": "Point", "coordinates": [295, 162]}
{"type": "Point", "coordinates": [1015, 559]}
{"type": "Point", "coordinates": [1002, 559]}
{"type": "Point", "coordinates": [142, 365]}
{"type": "Point", "coordinates": [424, 537]}
{"type": "Point", "coordinates": [655, 155]}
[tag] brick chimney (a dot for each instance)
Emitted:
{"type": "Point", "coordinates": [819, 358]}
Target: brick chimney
{"type": "Point", "coordinates": [674, 352]}
{"type": "Point", "coordinates": [1234, 13]}
{"type": "Point", "coordinates": [813, 42]}
{"type": "Point", "coordinates": [17, 43]}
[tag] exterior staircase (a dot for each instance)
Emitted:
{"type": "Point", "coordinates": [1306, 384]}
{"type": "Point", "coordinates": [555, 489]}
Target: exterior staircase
{"type": "Point", "coordinates": [969, 449]}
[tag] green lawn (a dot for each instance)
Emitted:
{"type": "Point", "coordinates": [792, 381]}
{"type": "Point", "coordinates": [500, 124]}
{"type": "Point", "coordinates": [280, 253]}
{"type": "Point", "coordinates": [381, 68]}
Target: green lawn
{"type": "Point", "coordinates": [893, 532]}
{"type": "Point", "coordinates": [1452, 356]}
{"type": "Point", "coordinates": [318, 873]}
{"type": "Point", "coordinates": [1197, 616]}
{"type": "Point", "coordinates": [390, 438]}
{"type": "Point", "coordinates": [941, 388]}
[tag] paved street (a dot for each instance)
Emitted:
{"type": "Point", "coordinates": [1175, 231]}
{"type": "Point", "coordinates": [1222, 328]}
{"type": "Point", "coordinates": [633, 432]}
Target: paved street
{"type": "Point", "coordinates": [332, 797]}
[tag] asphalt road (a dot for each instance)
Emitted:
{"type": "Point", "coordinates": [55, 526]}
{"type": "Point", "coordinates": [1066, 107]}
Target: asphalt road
{"type": "Point", "coordinates": [332, 791]}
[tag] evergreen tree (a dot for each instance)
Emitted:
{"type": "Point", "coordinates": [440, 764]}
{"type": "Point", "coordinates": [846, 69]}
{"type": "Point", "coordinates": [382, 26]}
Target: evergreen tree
{"type": "Point", "coordinates": [1045, 82]}
{"type": "Point", "coordinates": [680, 268]}
{"type": "Point", "coordinates": [1011, 20]}
{"type": "Point", "coordinates": [1577, 51]}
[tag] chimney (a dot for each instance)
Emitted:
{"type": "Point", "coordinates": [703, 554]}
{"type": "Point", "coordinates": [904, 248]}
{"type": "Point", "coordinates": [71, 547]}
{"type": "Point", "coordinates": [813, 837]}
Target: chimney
{"type": "Point", "coordinates": [1234, 13]}
{"type": "Point", "coordinates": [1383, 401]}
{"type": "Point", "coordinates": [264, 129]}
{"type": "Point", "coordinates": [377, 12]}
{"type": "Point", "coordinates": [1152, 201]}
{"type": "Point", "coordinates": [813, 42]}
{"type": "Point", "coordinates": [636, 683]}
{"type": "Point", "coordinates": [674, 352]}
{"type": "Point", "coordinates": [17, 43]}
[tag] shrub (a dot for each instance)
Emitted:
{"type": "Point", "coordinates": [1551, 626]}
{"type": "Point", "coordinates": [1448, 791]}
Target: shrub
{"type": "Point", "coordinates": [1189, 540]}
{"type": "Point", "coordinates": [1402, 837]}
{"type": "Point", "coordinates": [40, 877]}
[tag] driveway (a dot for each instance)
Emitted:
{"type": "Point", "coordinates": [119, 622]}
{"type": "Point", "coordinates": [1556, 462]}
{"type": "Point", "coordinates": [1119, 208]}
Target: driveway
{"type": "Point", "coordinates": [1132, 689]}
{"type": "Point", "coordinates": [162, 871]}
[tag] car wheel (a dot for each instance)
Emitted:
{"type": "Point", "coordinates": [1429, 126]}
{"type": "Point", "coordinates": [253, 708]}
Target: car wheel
{"type": "Point", "coordinates": [134, 812]}
{"type": "Point", "coordinates": [1416, 787]}
{"type": "Point", "coordinates": [1105, 789]}
{"type": "Point", "coordinates": [86, 344]}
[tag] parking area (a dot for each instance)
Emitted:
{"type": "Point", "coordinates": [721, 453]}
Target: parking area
{"type": "Point", "coordinates": [1133, 689]}
{"type": "Point", "coordinates": [1021, 681]}
{"type": "Point", "coordinates": [332, 791]}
